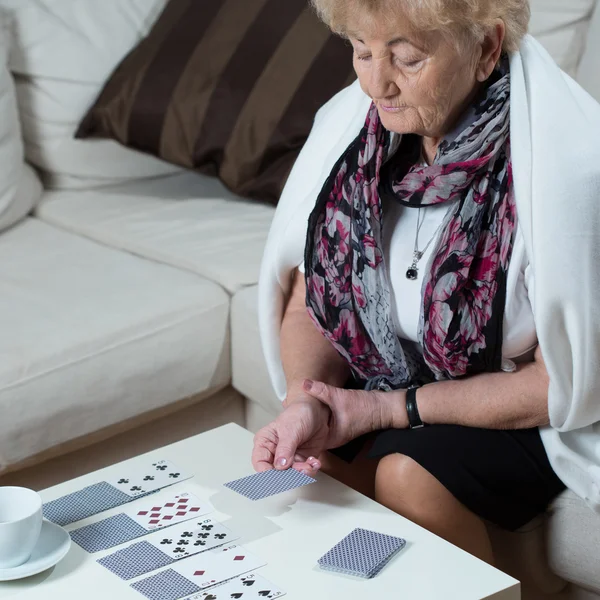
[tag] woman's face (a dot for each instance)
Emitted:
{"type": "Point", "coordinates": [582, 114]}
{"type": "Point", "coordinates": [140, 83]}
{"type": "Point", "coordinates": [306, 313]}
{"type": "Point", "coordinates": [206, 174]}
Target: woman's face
{"type": "Point", "coordinates": [419, 81]}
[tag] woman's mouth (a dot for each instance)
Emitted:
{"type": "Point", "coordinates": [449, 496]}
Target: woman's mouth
{"type": "Point", "coordinates": [390, 109]}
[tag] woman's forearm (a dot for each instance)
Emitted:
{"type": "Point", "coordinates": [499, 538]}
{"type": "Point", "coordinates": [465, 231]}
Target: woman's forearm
{"type": "Point", "coordinates": [492, 400]}
{"type": "Point", "coordinates": [305, 352]}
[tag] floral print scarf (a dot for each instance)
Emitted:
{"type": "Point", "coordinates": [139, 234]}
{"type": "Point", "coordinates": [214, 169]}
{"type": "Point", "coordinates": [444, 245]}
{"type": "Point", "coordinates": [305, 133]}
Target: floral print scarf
{"type": "Point", "coordinates": [464, 287]}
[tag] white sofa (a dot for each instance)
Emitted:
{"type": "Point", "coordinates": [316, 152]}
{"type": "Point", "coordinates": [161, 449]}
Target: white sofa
{"type": "Point", "coordinates": [130, 292]}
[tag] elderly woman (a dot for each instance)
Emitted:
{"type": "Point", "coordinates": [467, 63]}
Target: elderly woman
{"type": "Point", "coordinates": [433, 331]}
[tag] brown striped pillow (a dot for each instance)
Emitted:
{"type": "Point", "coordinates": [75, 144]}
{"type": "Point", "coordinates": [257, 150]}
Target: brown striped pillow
{"type": "Point", "coordinates": [227, 87]}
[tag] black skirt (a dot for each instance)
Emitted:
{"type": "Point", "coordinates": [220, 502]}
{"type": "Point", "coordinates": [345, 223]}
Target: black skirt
{"type": "Point", "coordinates": [502, 476]}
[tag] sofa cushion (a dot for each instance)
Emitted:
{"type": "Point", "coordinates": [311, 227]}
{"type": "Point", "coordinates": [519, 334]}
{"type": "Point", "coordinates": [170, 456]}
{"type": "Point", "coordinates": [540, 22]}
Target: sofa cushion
{"type": "Point", "coordinates": [248, 365]}
{"type": "Point", "coordinates": [20, 189]}
{"type": "Point", "coordinates": [573, 540]}
{"type": "Point", "coordinates": [561, 26]}
{"type": "Point", "coordinates": [92, 336]}
{"type": "Point", "coordinates": [228, 87]}
{"type": "Point", "coordinates": [189, 221]}
{"type": "Point", "coordinates": [63, 52]}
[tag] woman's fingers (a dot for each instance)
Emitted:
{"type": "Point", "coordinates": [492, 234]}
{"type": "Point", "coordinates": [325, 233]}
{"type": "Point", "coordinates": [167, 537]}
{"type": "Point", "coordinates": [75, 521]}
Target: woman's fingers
{"type": "Point", "coordinates": [262, 459]}
{"type": "Point", "coordinates": [263, 453]}
{"type": "Point", "coordinates": [309, 467]}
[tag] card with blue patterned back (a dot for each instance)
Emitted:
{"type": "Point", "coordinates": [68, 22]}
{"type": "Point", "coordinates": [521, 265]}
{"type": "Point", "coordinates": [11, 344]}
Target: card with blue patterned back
{"type": "Point", "coordinates": [85, 503]}
{"type": "Point", "coordinates": [362, 553]}
{"type": "Point", "coordinates": [167, 585]}
{"type": "Point", "coordinates": [107, 533]}
{"type": "Point", "coordinates": [269, 483]}
{"type": "Point", "coordinates": [138, 559]}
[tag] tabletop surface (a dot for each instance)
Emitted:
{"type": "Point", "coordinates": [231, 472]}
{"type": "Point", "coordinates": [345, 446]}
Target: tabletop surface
{"type": "Point", "coordinates": [290, 531]}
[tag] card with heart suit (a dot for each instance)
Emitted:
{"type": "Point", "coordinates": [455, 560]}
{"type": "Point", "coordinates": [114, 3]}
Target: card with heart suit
{"type": "Point", "coordinates": [268, 483]}
{"type": "Point", "coordinates": [199, 572]}
{"type": "Point", "coordinates": [160, 549]}
{"type": "Point", "coordinates": [247, 587]}
{"type": "Point", "coordinates": [136, 522]}
{"type": "Point", "coordinates": [104, 495]}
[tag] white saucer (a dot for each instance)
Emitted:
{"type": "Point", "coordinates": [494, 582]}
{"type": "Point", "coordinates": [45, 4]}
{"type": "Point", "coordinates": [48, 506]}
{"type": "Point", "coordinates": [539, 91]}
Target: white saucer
{"type": "Point", "coordinates": [53, 545]}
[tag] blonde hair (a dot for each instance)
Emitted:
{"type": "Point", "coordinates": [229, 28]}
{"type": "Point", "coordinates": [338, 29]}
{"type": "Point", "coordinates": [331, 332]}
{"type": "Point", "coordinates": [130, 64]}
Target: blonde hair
{"type": "Point", "coordinates": [455, 18]}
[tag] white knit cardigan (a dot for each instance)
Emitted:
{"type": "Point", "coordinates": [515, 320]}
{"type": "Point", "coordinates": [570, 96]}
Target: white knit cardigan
{"type": "Point", "coordinates": [555, 142]}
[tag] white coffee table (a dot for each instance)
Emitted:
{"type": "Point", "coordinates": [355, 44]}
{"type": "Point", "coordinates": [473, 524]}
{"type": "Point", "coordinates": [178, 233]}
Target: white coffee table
{"type": "Point", "coordinates": [290, 531]}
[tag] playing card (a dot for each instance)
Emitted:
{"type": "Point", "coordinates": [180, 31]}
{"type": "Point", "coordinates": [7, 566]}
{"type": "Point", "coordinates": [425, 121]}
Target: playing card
{"type": "Point", "coordinates": [167, 585]}
{"type": "Point", "coordinates": [218, 565]}
{"type": "Point", "coordinates": [84, 503]}
{"type": "Point", "coordinates": [247, 587]}
{"type": "Point", "coordinates": [138, 521]}
{"type": "Point", "coordinates": [105, 495]}
{"type": "Point", "coordinates": [362, 553]}
{"type": "Point", "coordinates": [107, 533]}
{"type": "Point", "coordinates": [160, 549]}
{"type": "Point", "coordinates": [269, 483]}
{"type": "Point", "coordinates": [197, 573]}
{"type": "Point", "coordinates": [192, 537]}
{"type": "Point", "coordinates": [158, 513]}
{"type": "Point", "coordinates": [142, 480]}
{"type": "Point", "coordinates": [135, 560]}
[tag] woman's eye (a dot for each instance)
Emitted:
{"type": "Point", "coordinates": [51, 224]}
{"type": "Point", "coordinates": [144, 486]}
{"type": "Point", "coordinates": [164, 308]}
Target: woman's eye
{"type": "Point", "coordinates": [410, 63]}
{"type": "Point", "coordinates": [364, 58]}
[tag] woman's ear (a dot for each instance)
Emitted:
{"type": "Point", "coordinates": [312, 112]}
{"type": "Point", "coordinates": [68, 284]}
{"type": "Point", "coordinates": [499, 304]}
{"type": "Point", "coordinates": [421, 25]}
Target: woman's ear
{"type": "Point", "coordinates": [491, 49]}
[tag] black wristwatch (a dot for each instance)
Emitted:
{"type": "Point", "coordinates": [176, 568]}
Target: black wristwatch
{"type": "Point", "coordinates": [414, 419]}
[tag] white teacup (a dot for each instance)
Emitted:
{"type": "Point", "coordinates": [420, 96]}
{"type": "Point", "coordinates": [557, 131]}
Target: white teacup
{"type": "Point", "coordinates": [20, 525]}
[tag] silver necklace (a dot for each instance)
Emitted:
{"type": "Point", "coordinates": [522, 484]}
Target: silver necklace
{"type": "Point", "coordinates": [413, 271]}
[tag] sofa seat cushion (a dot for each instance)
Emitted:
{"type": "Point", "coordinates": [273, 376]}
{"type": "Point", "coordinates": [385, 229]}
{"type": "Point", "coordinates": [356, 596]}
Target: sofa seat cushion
{"type": "Point", "coordinates": [92, 336]}
{"type": "Point", "coordinates": [573, 540]}
{"type": "Point", "coordinates": [189, 221]}
{"type": "Point", "coordinates": [248, 365]}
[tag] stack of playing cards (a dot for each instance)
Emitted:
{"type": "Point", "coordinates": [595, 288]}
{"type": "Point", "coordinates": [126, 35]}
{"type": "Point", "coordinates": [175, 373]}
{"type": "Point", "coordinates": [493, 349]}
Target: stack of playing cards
{"type": "Point", "coordinates": [117, 491]}
{"type": "Point", "coordinates": [362, 553]}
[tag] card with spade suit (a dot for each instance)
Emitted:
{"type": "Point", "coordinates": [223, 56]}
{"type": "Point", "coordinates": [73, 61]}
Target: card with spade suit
{"type": "Point", "coordinates": [199, 572]}
{"type": "Point", "coordinates": [247, 587]}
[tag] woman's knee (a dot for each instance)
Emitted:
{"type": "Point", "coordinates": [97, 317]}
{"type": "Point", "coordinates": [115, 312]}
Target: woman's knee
{"type": "Point", "coordinates": [401, 480]}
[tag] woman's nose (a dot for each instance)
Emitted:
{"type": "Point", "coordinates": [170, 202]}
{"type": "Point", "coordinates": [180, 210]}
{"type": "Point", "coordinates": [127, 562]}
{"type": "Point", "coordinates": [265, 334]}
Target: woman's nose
{"type": "Point", "coordinates": [382, 83]}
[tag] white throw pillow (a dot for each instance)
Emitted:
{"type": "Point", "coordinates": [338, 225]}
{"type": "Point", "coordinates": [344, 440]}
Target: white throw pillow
{"type": "Point", "coordinates": [561, 27]}
{"type": "Point", "coordinates": [62, 54]}
{"type": "Point", "coordinates": [589, 71]}
{"type": "Point", "coordinates": [20, 189]}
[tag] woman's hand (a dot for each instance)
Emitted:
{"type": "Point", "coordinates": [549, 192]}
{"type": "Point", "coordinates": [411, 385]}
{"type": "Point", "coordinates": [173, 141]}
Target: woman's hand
{"type": "Point", "coordinates": [356, 412]}
{"type": "Point", "coordinates": [295, 439]}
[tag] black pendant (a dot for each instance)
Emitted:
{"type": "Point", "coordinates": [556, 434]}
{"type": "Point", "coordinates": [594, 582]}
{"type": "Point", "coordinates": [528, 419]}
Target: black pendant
{"type": "Point", "coordinates": [412, 274]}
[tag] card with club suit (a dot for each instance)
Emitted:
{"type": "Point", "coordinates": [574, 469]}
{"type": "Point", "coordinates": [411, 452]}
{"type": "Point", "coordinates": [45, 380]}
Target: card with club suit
{"type": "Point", "coordinates": [155, 513]}
{"type": "Point", "coordinates": [160, 549]}
{"type": "Point", "coordinates": [194, 574]}
{"type": "Point", "coordinates": [132, 483]}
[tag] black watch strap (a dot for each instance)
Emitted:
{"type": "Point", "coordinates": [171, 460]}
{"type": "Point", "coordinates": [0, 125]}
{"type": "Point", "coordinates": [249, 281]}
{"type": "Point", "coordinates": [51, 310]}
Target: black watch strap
{"type": "Point", "coordinates": [414, 419]}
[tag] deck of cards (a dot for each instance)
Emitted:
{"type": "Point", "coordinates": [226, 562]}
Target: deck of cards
{"type": "Point", "coordinates": [362, 553]}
